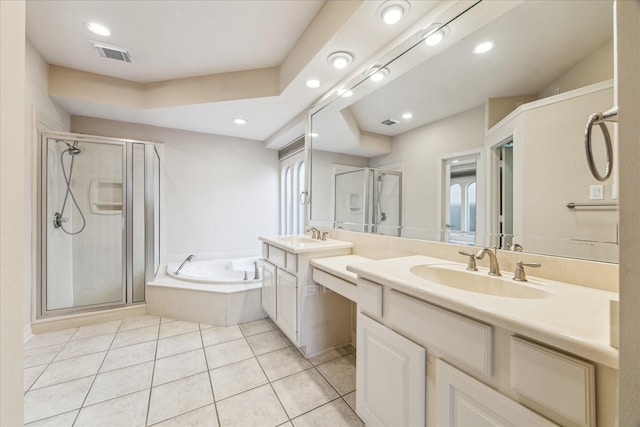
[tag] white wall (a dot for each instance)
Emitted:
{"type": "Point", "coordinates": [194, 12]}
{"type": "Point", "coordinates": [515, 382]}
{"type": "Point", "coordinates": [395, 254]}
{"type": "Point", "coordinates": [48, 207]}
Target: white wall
{"type": "Point", "coordinates": [14, 243]}
{"type": "Point", "coordinates": [220, 193]}
{"type": "Point", "coordinates": [41, 114]}
{"type": "Point", "coordinates": [421, 151]}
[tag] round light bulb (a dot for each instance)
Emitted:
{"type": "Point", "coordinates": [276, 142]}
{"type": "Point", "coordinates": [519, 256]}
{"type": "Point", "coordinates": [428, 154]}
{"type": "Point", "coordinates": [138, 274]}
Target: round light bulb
{"type": "Point", "coordinates": [240, 121]}
{"type": "Point", "coordinates": [434, 39]}
{"type": "Point", "coordinates": [313, 83]}
{"type": "Point", "coordinates": [98, 29]}
{"type": "Point", "coordinates": [392, 14]}
{"type": "Point", "coordinates": [407, 116]}
{"type": "Point", "coordinates": [483, 47]}
{"type": "Point", "coordinates": [340, 62]}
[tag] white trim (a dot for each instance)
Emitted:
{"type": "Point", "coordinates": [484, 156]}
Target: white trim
{"type": "Point", "coordinates": [28, 333]}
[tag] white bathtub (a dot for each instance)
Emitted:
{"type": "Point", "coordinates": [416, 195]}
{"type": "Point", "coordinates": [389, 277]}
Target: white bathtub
{"type": "Point", "coordinates": [219, 271]}
{"type": "Point", "coordinates": [213, 292]}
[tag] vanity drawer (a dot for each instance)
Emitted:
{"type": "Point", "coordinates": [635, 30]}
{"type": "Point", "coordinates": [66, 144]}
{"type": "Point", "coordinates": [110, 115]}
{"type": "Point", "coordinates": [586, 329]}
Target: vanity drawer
{"type": "Point", "coordinates": [457, 338]}
{"type": "Point", "coordinates": [547, 378]}
{"type": "Point", "coordinates": [277, 256]}
{"type": "Point", "coordinates": [292, 262]}
{"type": "Point", "coordinates": [370, 298]}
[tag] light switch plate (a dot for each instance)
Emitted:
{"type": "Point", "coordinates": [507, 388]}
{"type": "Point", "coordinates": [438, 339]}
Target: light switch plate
{"type": "Point", "coordinates": [596, 192]}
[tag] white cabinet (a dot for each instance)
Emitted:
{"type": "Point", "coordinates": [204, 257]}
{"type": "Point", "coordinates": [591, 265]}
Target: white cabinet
{"type": "Point", "coordinates": [390, 377]}
{"type": "Point", "coordinates": [269, 288]}
{"type": "Point", "coordinates": [286, 304]}
{"type": "Point", "coordinates": [465, 402]}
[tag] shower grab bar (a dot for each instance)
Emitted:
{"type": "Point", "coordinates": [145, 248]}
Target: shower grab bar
{"type": "Point", "coordinates": [600, 119]}
{"type": "Point", "coordinates": [572, 205]}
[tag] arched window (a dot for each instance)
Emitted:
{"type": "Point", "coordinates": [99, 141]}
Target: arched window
{"type": "Point", "coordinates": [470, 206]}
{"type": "Point", "coordinates": [300, 188]}
{"type": "Point", "coordinates": [286, 195]}
{"type": "Point", "coordinates": [455, 206]}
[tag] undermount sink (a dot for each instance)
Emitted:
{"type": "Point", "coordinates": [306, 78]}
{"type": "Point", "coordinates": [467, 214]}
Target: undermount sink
{"type": "Point", "coordinates": [480, 282]}
{"type": "Point", "coordinates": [299, 239]}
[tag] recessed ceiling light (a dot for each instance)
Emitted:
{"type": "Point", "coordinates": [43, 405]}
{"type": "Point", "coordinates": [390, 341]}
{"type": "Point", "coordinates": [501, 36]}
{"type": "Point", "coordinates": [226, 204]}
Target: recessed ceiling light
{"type": "Point", "coordinates": [240, 121]}
{"type": "Point", "coordinates": [483, 47]}
{"type": "Point", "coordinates": [340, 59]}
{"type": "Point", "coordinates": [434, 38]}
{"type": "Point", "coordinates": [98, 29]}
{"type": "Point", "coordinates": [390, 12]}
{"type": "Point", "coordinates": [434, 34]}
{"type": "Point", "coordinates": [377, 73]}
{"type": "Point", "coordinates": [314, 83]}
{"type": "Point", "coordinates": [407, 116]}
{"type": "Point", "coordinates": [313, 135]}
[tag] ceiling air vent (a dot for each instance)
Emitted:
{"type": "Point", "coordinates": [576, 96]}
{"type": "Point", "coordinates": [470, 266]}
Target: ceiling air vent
{"type": "Point", "coordinates": [112, 52]}
{"type": "Point", "coordinates": [389, 122]}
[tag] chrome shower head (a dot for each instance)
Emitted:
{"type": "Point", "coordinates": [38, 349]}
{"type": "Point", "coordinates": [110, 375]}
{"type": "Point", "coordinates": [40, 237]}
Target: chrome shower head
{"type": "Point", "coordinates": [72, 149]}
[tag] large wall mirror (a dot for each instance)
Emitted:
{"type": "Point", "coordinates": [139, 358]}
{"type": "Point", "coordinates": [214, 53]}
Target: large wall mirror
{"type": "Point", "coordinates": [438, 142]}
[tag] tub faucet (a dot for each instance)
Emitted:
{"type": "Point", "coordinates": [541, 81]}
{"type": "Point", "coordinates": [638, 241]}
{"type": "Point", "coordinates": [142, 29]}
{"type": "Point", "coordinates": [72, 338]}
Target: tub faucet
{"type": "Point", "coordinates": [494, 268]}
{"type": "Point", "coordinates": [256, 271]}
{"type": "Point", "coordinates": [187, 259]}
{"type": "Point", "coordinates": [315, 233]}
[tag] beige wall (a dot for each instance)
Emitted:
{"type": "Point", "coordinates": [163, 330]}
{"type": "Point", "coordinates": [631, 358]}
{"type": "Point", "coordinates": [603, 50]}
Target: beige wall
{"type": "Point", "coordinates": [14, 244]}
{"type": "Point", "coordinates": [628, 74]}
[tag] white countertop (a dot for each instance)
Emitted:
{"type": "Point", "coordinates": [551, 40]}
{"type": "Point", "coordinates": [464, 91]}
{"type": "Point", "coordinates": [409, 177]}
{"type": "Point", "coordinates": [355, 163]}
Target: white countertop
{"type": "Point", "coordinates": [302, 244]}
{"type": "Point", "coordinates": [337, 266]}
{"type": "Point", "coordinates": [573, 318]}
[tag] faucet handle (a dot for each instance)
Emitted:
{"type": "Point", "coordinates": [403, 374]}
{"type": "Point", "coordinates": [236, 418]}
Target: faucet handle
{"type": "Point", "coordinates": [324, 235]}
{"type": "Point", "coordinates": [471, 264]}
{"type": "Point", "coordinates": [520, 274]}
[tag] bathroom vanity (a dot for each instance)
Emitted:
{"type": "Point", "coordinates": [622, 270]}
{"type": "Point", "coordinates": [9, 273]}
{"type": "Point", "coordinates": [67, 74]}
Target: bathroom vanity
{"type": "Point", "coordinates": [432, 352]}
{"type": "Point", "coordinates": [313, 317]}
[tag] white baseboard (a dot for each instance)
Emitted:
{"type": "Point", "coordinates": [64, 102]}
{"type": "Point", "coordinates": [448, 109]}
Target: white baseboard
{"type": "Point", "coordinates": [82, 319]}
{"type": "Point", "coordinates": [28, 333]}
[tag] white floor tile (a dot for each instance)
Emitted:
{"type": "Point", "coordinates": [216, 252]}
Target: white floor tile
{"type": "Point", "coordinates": [70, 369]}
{"type": "Point", "coordinates": [283, 362]}
{"type": "Point", "coordinates": [257, 327]}
{"type": "Point", "coordinates": [57, 399]}
{"type": "Point", "coordinates": [328, 355]}
{"type": "Point", "coordinates": [177, 328]}
{"type": "Point", "coordinates": [179, 344]}
{"type": "Point", "coordinates": [135, 336]}
{"type": "Point", "coordinates": [179, 366]}
{"type": "Point", "coordinates": [334, 414]}
{"type": "Point", "coordinates": [228, 352]}
{"type": "Point", "coordinates": [31, 375]}
{"type": "Point", "coordinates": [236, 378]}
{"type": "Point", "coordinates": [128, 356]}
{"type": "Point", "coordinates": [341, 373]}
{"type": "Point", "coordinates": [258, 407]}
{"type": "Point", "coordinates": [303, 391]}
{"type": "Point", "coordinates": [41, 355]}
{"type": "Point", "coordinates": [350, 399]}
{"type": "Point", "coordinates": [179, 397]}
{"type": "Point", "coordinates": [120, 382]}
{"type": "Point", "coordinates": [125, 411]}
{"type": "Point", "coordinates": [62, 420]}
{"type": "Point", "coordinates": [219, 335]}
{"type": "Point", "coordinates": [139, 322]}
{"type": "Point", "coordinates": [89, 331]}
{"type": "Point", "coordinates": [85, 346]}
{"type": "Point", "coordinates": [202, 417]}
{"type": "Point", "coordinates": [267, 341]}
{"type": "Point", "coordinates": [50, 338]}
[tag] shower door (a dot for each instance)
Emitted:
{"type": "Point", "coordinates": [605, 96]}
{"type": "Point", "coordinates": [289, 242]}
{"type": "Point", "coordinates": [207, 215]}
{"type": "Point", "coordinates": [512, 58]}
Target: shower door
{"type": "Point", "coordinates": [84, 210]}
{"type": "Point", "coordinates": [350, 200]}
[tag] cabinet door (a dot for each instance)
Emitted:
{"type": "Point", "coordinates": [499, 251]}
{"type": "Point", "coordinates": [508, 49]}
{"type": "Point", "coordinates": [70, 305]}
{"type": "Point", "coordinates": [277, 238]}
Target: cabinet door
{"type": "Point", "coordinates": [465, 401]}
{"type": "Point", "coordinates": [269, 289]}
{"type": "Point", "coordinates": [287, 304]}
{"type": "Point", "coordinates": [390, 377]}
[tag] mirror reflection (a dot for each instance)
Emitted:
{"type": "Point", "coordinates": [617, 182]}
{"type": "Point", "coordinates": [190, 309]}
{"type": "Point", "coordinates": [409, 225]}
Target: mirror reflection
{"type": "Point", "coordinates": [477, 139]}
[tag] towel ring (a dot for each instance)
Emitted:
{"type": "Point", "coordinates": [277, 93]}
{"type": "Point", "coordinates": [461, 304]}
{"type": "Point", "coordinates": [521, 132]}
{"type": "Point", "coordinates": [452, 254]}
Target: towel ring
{"type": "Point", "coordinates": [600, 119]}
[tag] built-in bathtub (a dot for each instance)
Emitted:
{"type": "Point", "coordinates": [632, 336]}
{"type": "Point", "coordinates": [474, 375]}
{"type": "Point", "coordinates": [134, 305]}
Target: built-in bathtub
{"type": "Point", "coordinates": [208, 291]}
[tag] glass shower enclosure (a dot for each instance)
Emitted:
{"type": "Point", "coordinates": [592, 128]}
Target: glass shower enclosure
{"type": "Point", "coordinates": [368, 200]}
{"type": "Point", "coordinates": [99, 226]}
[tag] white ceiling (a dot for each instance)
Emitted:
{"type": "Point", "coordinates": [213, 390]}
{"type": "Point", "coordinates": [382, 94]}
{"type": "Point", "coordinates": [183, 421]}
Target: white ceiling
{"type": "Point", "coordinates": [177, 39]}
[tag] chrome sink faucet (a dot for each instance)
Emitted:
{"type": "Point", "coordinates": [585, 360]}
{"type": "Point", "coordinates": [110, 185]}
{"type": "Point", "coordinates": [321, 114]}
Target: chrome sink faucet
{"type": "Point", "coordinates": [315, 233]}
{"type": "Point", "coordinates": [494, 268]}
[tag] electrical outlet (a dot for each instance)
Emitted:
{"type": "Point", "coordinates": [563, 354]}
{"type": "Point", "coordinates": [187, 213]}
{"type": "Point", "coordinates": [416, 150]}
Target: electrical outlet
{"type": "Point", "coordinates": [596, 192]}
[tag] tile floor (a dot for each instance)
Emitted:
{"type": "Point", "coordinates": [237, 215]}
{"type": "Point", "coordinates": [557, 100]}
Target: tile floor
{"type": "Point", "coordinates": [145, 371]}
